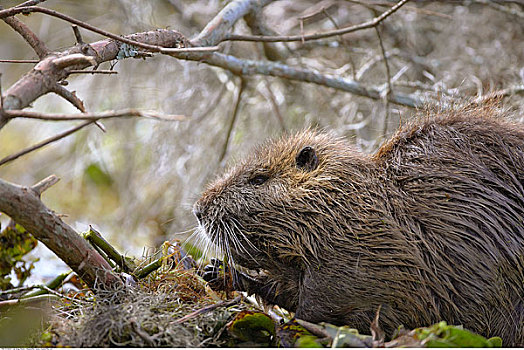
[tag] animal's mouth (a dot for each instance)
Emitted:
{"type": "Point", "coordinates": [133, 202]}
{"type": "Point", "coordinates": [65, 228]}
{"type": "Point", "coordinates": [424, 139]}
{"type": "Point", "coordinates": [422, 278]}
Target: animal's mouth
{"type": "Point", "coordinates": [255, 273]}
{"type": "Point", "coordinates": [231, 240]}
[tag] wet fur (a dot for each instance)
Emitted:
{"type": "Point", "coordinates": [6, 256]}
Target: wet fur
{"type": "Point", "coordinates": [431, 227]}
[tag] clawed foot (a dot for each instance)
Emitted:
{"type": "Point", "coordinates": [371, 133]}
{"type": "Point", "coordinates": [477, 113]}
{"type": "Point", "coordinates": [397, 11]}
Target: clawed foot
{"type": "Point", "coordinates": [218, 276]}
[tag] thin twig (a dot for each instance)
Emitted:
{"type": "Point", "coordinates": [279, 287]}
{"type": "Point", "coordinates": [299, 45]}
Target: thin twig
{"type": "Point", "coordinates": [208, 309]}
{"type": "Point", "coordinates": [372, 5]}
{"type": "Point", "coordinates": [389, 90]}
{"type": "Point", "coordinates": [146, 270]}
{"type": "Point", "coordinates": [43, 143]}
{"type": "Point", "coordinates": [154, 48]}
{"type": "Point", "coordinates": [1, 97]}
{"type": "Point", "coordinates": [169, 50]}
{"type": "Point", "coordinates": [46, 183]}
{"type": "Point", "coordinates": [233, 119]}
{"type": "Point", "coordinates": [18, 290]}
{"type": "Point", "coordinates": [79, 71]}
{"type": "Point", "coordinates": [71, 97]}
{"type": "Point", "coordinates": [96, 239]}
{"type": "Point", "coordinates": [501, 8]}
{"type": "Point", "coordinates": [60, 295]}
{"type": "Point", "coordinates": [53, 284]}
{"type": "Point", "coordinates": [28, 9]}
{"type": "Point", "coordinates": [211, 105]}
{"type": "Point", "coordinates": [21, 28]}
{"type": "Point", "coordinates": [19, 61]}
{"type": "Point", "coordinates": [244, 68]}
{"type": "Point", "coordinates": [513, 90]}
{"type": "Point", "coordinates": [91, 117]}
{"type": "Point", "coordinates": [141, 333]}
{"type": "Point", "coordinates": [30, 3]}
{"type": "Point", "coordinates": [72, 59]}
{"type": "Point", "coordinates": [370, 24]}
{"type": "Point", "coordinates": [376, 332]}
{"type": "Point", "coordinates": [343, 41]}
{"type": "Point", "coordinates": [68, 96]}
{"type": "Point", "coordinates": [78, 36]}
{"type": "Point", "coordinates": [24, 301]}
{"type": "Point", "coordinates": [124, 113]}
{"type": "Point", "coordinates": [273, 101]}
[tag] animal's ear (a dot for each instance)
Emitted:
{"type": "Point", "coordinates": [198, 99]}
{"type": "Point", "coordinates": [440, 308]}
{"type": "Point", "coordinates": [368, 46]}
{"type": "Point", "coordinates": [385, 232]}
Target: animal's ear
{"type": "Point", "coordinates": [307, 159]}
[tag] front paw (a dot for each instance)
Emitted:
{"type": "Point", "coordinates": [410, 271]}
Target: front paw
{"type": "Point", "coordinates": [218, 275]}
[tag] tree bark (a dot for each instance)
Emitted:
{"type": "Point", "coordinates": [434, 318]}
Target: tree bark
{"type": "Point", "coordinates": [23, 205]}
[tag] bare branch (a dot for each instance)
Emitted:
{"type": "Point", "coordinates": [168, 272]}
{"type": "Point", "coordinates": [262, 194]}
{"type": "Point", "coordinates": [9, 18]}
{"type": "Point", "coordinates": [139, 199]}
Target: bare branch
{"type": "Point", "coordinates": [62, 296]}
{"type": "Point", "coordinates": [43, 185]}
{"type": "Point", "coordinates": [389, 89]}
{"type": "Point", "coordinates": [30, 300]}
{"type": "Point", "coordinates": [502, 8]}
{"type": "Point", "coordinates": [513, 90]}
{"type": "Point", "coordinates": [78, 71]}
{"type": "Point", "coordinates": [43, 143]}
{"type": "Point", "coordinates": [370, 24]}
{"type": "Point", "coordinates": [369, 64]}
{"type": "Point", "coordinates": [124, 113]}
{"type": "Point", "coordinates": [272, 51]}
{"type": "Point", "coordinates": [45, 74]}
{"type": "Point", "coordinates": [66, 94]}
{"type": "Point", "coordinates": [169, 50]}
{"type": "Point", "coordinates": [216, 30]}
{"type": "Point", "coordinates": [19, 61]}
{"type": "Point", "coordinates": [30, 3]}
{"type": "Point", "coordinates": [373, 5]}
{"type": "Point", "coordinates": [38, 46]}
{"type": "Point", "coordinates": [90, 117]}
{"type": "Point", "coordinates": [274, 105]}
{"type": "Point", "coordinates": [74, 59]}
{"type": "Point", "coordinates": [125, 39]}
{"type": "Point", "coordinates": [1, 97]}
{"type": "Point", "coordinates": [233, 120]}
{"type": "Point", "coordinates": [249, 67]}
{"type": "Point", "coordinates": [78, 36]}
{"type": "Point", "coordinates": [208, 309]}
{"type": "Point", "coordinates": [24, 206]}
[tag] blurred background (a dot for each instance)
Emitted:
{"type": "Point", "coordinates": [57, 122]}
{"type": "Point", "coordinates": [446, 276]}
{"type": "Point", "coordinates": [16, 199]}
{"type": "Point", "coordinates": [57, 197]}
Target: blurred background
{"type": "Point", "coordinates": [136, 182]}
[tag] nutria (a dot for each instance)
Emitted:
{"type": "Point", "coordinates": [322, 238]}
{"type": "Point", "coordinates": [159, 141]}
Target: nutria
{"type": "Point", "coordinates": [431, 227]}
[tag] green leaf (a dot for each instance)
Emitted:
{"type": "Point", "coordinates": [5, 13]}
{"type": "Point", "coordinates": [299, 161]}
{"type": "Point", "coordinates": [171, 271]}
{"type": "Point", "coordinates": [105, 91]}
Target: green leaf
{"type": "Point", "coordinates": [443, 335]}
{"type": "Point", "coordinates": [97, 175]}
{"type": "Point", "coordinates": [307, 341]}
{"type": "Point", "coordinates": [290, 332]}
{"type": "Point", "coordinates": [495, 342]}
{"type": "Point", "coordinates": [253, 326]}
{"type": "Point", "coordinates": [195, 252]}
{"type": "Point", "coordinates": [15, 243]}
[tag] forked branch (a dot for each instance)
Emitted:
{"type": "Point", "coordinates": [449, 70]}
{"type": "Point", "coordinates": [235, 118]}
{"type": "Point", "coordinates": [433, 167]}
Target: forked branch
{"type": "Point", "coordinates": [23, 205]}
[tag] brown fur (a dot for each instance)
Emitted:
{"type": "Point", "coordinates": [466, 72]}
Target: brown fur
{"type": "Point", "coordinates": [431, 227]}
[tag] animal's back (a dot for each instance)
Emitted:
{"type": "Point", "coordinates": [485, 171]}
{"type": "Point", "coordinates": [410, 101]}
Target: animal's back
{"type": "Point", "coordinates": [458, 181]}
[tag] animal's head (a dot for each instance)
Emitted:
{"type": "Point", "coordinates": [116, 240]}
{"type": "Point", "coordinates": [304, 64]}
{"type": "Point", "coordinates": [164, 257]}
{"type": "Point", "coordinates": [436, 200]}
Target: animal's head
{"type": "Point", "coordinates": [271, 206]}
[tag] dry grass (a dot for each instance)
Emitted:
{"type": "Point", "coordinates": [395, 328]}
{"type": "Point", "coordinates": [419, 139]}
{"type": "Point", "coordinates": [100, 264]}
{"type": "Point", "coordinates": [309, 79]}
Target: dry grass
{"type": "Point", "coordinates": [145, 316]}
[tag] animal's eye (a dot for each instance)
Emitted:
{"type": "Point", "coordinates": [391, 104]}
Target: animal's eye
{"type": "Point", "coordinates": [258, 179]}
